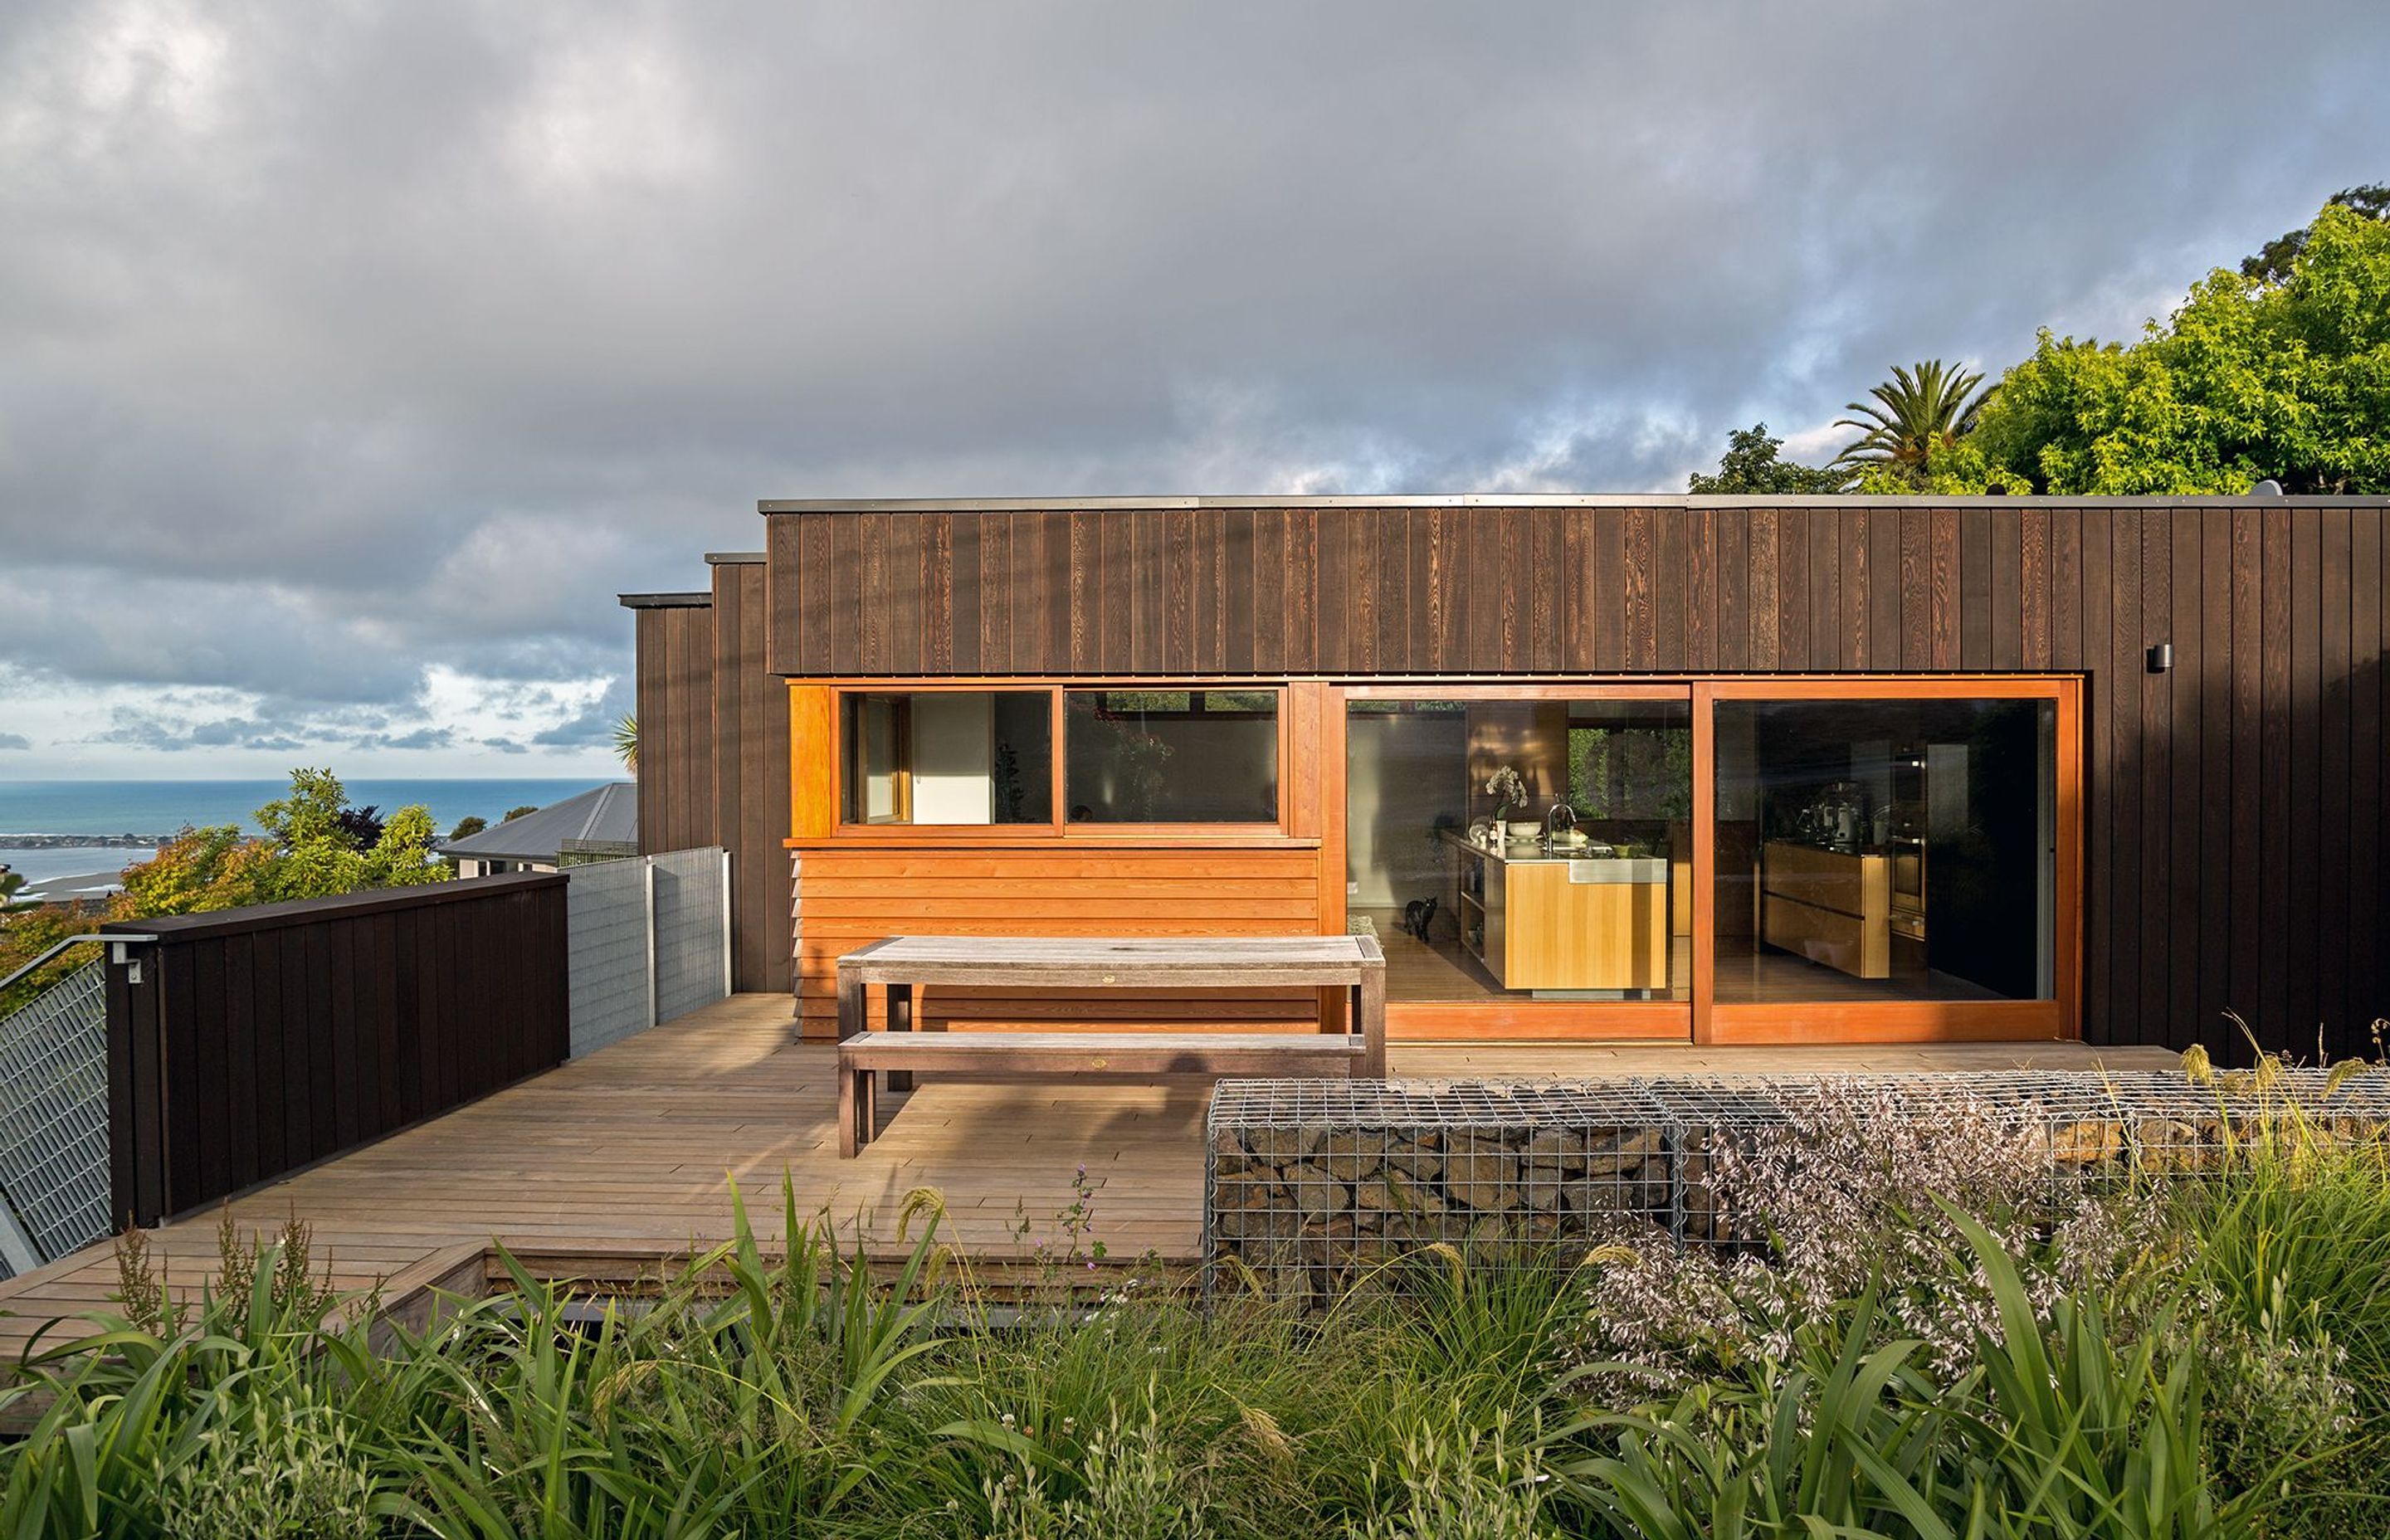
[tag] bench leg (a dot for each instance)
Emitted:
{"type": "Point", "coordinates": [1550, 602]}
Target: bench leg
{"type": "Point", "coordinates": [900, 1019]}
{"type": "Point", "coordinates": [846, 1080]}
{"type": "Point", "coordinates": [858, 1110]}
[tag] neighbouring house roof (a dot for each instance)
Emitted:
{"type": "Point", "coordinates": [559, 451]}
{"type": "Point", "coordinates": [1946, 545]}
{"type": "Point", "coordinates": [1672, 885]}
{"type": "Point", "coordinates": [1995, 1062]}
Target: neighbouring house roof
{"type": "Point", "coordinates": [608, 813]}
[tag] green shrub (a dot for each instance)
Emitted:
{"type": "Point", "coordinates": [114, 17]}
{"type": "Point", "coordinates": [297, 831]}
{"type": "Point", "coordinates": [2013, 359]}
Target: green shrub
{"type": "Point", "coordinates": [2209, 1365]}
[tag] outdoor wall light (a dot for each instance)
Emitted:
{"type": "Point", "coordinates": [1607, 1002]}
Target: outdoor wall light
{"type": "Point", "coordinates": [2161, 658]}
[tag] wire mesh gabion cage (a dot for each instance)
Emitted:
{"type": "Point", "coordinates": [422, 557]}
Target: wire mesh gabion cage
{"type": "Point", "coordinates": [1312, 1186]}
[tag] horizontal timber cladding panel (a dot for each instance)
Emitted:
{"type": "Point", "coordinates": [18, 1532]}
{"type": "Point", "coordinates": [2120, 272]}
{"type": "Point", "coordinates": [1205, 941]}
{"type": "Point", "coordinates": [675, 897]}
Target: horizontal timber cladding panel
{"type": "Point", "coordinates": [2235, 836]}
{"type": "Point", "coordinates": [848, 898]}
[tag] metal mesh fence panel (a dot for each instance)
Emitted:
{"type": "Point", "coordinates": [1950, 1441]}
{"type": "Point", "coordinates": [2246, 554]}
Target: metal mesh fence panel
{"type": "Point", "coordinates": [54, 1113]}
{"type": "Point", "coordinates": [1310, 1184]}
{"type": "Point", "coordinates": [606, 947]}
{"type": "Point", "coordinates": [691, 928]}
{"type": "Point", "coordinates": [609, 945]}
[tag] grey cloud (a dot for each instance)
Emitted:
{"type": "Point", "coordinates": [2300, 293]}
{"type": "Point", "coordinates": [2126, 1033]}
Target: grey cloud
{"type": "Point", "coordinates": [422, 738]}
{"type": "Point", "coordinates": [15, 741]}
{"type": "Point", "coordinates": [338, 343]}
{"type": "Point", "coordinates": [595, 727]}
{"type": "Point", "coordinates": [142, 730]}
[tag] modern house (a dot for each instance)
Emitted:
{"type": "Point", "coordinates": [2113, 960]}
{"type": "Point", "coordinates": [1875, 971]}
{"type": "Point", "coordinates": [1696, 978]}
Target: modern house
{"type": "Point", "coordinates": [600, 823]}
{"type": "Point", "coordinates": [1713, 770]}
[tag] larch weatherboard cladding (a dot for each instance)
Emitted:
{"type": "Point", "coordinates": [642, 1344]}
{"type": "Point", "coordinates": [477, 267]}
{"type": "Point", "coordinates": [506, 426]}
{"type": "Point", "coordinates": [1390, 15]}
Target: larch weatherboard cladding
{"type": "Point", "coordinates": [846, 898]}
{"type": "Point", "coordinates": [2235, 830]}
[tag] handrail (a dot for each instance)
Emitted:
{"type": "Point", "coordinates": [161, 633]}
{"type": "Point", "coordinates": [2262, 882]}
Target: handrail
{"type": "Point", "coordinates": [57, 947]}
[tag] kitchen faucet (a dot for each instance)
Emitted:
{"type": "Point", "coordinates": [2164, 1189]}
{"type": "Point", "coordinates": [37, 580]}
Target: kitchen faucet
{"type": "Point", "coordinates": [1561, 816]}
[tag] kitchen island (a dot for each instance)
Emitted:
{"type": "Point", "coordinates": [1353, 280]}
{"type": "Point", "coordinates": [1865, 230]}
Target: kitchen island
{"type": "Point", "coordinates": [1546, 921]}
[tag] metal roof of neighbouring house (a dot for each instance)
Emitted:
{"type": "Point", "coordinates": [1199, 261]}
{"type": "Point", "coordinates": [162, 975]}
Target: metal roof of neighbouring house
{"type": "Point", "coordinates": [608, 813]}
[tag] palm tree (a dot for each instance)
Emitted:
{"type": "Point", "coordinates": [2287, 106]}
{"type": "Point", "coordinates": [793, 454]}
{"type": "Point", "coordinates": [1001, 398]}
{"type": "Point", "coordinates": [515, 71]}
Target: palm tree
{"type": "Point", "coordinates": [1914, 414]}
{"type": "Point", "coordinates": [626, 743]}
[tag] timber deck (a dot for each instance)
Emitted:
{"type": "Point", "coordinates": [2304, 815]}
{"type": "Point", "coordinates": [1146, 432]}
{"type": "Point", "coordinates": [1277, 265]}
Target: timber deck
{"type": "Point", "coordinates": [614, 1159]}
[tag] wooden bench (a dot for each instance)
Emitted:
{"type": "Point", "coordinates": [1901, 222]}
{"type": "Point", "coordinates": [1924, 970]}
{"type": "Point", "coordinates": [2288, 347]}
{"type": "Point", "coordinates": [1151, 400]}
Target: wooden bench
{"type": "Point", "coordinates": [902, 964]}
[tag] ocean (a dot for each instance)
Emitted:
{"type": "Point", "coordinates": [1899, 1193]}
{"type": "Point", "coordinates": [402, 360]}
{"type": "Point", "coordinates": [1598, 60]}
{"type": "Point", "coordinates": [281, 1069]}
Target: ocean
{"type": "Point", "coordinates": [153, 808]}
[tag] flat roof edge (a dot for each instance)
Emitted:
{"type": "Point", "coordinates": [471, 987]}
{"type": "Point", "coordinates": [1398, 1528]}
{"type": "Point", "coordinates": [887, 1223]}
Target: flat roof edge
{"type": "Point", "coordinates": [1533, 500]}
{"type": "Point", "coordinates": [734, 559]}
{"type": "Point", "coordinates": [666, 601]}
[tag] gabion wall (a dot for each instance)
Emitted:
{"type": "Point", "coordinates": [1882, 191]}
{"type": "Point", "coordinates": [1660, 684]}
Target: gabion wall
{"type": "Point", "coordinates": [1308, 1184]}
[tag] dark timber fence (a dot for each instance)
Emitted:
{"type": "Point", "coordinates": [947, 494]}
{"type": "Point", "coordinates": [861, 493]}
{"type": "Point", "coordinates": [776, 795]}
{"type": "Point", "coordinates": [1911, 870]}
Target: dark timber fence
{"type": "Point", "coordinates": [250, 1043]}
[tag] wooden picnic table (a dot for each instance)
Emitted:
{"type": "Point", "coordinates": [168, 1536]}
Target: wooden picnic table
{"type": "Point", "coordinates": [902, 964]}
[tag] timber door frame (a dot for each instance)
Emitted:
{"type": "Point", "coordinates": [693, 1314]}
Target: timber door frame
{"type": "Point", "coordinates": [1664, 1020]}
{"type": "Point", "coordinates": [1701, 1019]}
{"type": "Point", "coordinates": [1828, 1021]}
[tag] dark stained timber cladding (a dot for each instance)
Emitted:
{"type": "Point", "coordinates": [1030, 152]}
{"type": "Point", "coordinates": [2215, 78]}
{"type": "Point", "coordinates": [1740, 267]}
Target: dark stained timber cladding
{"type": "Point", "coordinates": [750, 778]}
{"type": "Point", "coordinates": [2233, 826]}
{"type": "Point", "coordinates": [674, 698]}
{"type": "Point", "coordinates": [262, 1040]}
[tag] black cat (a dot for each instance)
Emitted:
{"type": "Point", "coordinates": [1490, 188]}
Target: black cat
{"type": "Point", "coordinates": [1418, 915]}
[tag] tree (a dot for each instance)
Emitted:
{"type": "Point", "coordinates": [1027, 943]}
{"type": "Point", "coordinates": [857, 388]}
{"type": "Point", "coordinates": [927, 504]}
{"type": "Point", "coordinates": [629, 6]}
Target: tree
{"type": "Point", "coordinates": [2273, 264]}
{"type": "Point", "coordinates": [313, 847]}
{"type": "Point", "coordinates": [1915, 413]}
{"type": "Point", "coordinates": [198, 870]}
{"type": "Point", "coordinates": [626, 743]}
{"type": "Point", "coordinates": [28, 932]}
{"type": "Point", "coordinates": [2250, 379]}
{"type": "Point", "coordinates": [468, 826]}
{"type": "Point", "coordinates": [523, 812]}
{"type": "Point", "coordinates": [1750, 466]}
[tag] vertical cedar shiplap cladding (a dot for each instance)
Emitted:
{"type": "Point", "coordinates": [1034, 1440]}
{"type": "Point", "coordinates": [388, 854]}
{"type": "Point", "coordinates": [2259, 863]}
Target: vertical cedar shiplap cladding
{"type": "Point", "coordinates": [260, 1040]}
{"type": "Point", "coordinates": [752, 774]}
{"type": "Point", "coordinates": [674, 691]}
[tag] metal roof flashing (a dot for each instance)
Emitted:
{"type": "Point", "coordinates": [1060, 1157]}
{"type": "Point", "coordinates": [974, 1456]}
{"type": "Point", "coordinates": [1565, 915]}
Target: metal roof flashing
{"type": "Point", "coordinates": [1521, 500]}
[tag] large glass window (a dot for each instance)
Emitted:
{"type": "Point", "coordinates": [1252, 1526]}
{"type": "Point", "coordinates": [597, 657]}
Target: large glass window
{"type": "Point", "coordinates": [950, 757]}
{"type": "Point", "coordinates": [1171, 756]}
{"type": "Point", "coordinates": [1887, 850]}
{"type": "Point", "coordinates": [1512, 850]}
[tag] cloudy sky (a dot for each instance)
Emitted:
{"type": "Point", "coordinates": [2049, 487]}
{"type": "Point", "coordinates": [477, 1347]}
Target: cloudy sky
{"type": "Point", "coordinates": [354, 356]}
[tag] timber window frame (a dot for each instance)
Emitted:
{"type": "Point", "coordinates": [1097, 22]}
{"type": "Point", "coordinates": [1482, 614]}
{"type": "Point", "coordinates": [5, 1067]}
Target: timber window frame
{"type": "Point", "coordinates": [1058, 826]}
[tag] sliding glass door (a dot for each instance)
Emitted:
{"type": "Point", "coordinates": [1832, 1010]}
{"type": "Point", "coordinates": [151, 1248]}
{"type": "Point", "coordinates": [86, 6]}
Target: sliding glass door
{"type": "Point", "coordinates": [1783, 860]}
{"type": "Point", "coordinates": [1524, 855]}
{"type": "Point", "coordinates": [1888, 859]}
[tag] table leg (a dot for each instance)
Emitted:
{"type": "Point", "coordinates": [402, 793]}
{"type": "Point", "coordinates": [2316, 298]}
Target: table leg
{"type": "Point", "coordinates": [1369, 1020]}
{"type": "Point", "coordinates": [900, 1019]}
{"type": "Point", "coordinates": [849, 1004]}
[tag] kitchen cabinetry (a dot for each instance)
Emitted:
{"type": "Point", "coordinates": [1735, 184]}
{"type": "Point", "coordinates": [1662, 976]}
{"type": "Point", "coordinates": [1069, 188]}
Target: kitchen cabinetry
{"type": "Point", "coordinates": [1831, 906]}
{"type": "Point", "coordinates": [1541, 921]}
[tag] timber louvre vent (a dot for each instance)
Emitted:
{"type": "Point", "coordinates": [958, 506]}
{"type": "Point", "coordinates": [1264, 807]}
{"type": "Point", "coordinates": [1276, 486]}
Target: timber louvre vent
{"type": "Point", "coordinates": [1309, 1185]}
